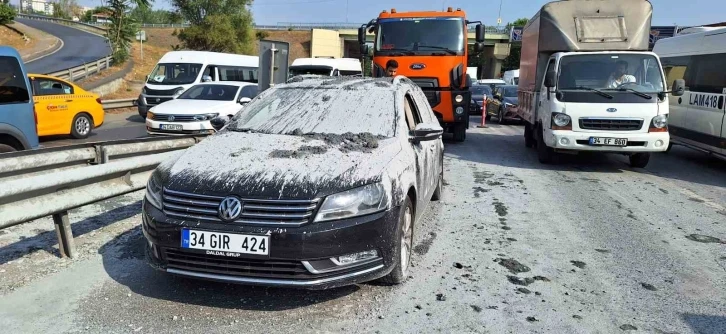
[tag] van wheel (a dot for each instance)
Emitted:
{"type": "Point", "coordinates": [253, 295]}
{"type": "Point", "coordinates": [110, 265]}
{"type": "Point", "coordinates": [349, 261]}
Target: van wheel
{"type": "Point", "coordinates": [529, 141]}
{"type": "Point", "coordinates": [459, 132]}
{"type": "Point", "coordinates": [545, 154]}
{"type": "Point", "coordinates": [404, 246]}
{"type": "Point", "coordinates": [5, 148]}
{"type": "Point", "coordinates": [81, 126]}
{"type": "Point", "coordinates": [639, 160]}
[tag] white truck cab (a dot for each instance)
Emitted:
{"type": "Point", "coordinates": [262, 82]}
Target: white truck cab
{"type": "Point", "coordinates": [326, 67]}
{"type": "Point", "coordinates": [589, 84]}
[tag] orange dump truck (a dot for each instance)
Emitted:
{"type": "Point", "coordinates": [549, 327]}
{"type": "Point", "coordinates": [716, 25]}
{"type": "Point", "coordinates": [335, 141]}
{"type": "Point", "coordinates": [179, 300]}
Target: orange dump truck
{"type": "Point", "coordinates": [431, 50]}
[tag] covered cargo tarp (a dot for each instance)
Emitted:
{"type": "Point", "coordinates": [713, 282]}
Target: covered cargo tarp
{"type": "Point", "coordinates": [582, 25]}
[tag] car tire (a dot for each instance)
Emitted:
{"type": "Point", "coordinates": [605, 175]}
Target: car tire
{"type": "Point", "coordinates": [529, 141]}
{"type": "Point", "coordinates": [438, 192]}
{"type": "Point", "coordinates": [404, 246]}
{"type": "Point", "coordinates": [5, 148]}
{"type": "Point", "coordinates": [460, 132]}
{"type": "Point", "coordinates": [500, 117]}
{"type": "Point", "coordinates": [545, 154]}
{"type": "Point", "coordinates": [81, 126]}
{"type": "Point", "coordinates": [639, 160]}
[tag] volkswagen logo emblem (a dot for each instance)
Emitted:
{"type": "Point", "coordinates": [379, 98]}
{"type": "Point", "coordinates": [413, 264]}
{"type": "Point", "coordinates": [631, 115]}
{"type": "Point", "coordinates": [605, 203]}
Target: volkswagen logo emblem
{"type": "Point", "coordinates": [418, 66]}
{"type": "Point", "coordinates": [611, 110]}
{"type": "Point", "coordinates": [230, 208]}
{"type": "Point", "coordinates": [171, 118]}
{"type": "Point", "coordinates": [158, 99]}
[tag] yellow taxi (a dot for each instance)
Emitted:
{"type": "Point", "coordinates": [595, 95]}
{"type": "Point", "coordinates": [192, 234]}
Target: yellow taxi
{"type": "Point", "coordinates": [64, 108]}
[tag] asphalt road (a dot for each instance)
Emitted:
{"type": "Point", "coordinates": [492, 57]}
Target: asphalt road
{"type": "Point", "coordinates": [79, 47]}
{"type": "Point", "coordinates": [585, 246]}
{"type": "Point", "coordinates": [128, 125]}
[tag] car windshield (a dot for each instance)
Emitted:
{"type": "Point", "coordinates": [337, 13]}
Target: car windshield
{"type": "Point", "coordinates": [480, 90]}
{"type": "Point", "coordinates": [174, 74]}
{"type": "Point", "coordinates": [640, 72]}
{"type": "Point", "coordinates": [314, 70]}
{"type": "Point", "coordinates": [282, 110]}
{"type": "Point", "coordinates": [420, 35]}
{"type": "Point", "coordinates": [510, 91]}
{"type": "Point", "coordinates": [210, 92]}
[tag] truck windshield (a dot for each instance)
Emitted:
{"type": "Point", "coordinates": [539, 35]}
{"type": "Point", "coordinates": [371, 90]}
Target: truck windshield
{"type": "Point", "coordinates": [422, 36]}
{"type": "Point", "coordinates": [611, 72]}
{"type": "Point", "coordinates": [174, 74]}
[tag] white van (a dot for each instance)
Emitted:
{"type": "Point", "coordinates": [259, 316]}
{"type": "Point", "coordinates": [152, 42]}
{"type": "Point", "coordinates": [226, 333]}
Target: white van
{"type": "Point", "coordinates": [697, 118]}
{"type": "Point", "coordinates": [511, 77]}
{"type": "Point", "coordinates": [326, 67]}
{"type": "Point", "coordinates": [176, 71]}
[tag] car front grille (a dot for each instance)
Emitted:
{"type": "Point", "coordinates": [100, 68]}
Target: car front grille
{"type": "Point", "coordinates": [220, 265]}
{"type": "Point", "coordinates": [174, 118]}
{"type": "Point", "coordinates": [255, 211]}
{"type": "Point", "coordinates": [611, 124]}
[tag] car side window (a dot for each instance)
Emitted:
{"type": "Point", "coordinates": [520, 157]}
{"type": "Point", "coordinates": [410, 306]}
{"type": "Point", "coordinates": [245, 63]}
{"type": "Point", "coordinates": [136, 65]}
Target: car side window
{"type": "Point", "coordinates": [248, 91]}
{"type": "Point", "coordinates": [414, 109]}
{"type": "Point", "coordinates": [408, 108]}
{"type": "Point", "coordinates": [423, 106]}
{"type": "Point", "coordinates": [53, 87]}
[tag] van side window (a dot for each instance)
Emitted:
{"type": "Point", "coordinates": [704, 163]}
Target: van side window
{"type": "Point", "coordinates": [708, 73]}
{"type": "Point", "coordinates": [52, 87]}
{"type": "Point", "coordinates": [13, 84]}
{"type": "Point", "coordinates": [237, 73]}
{"type": "Point", "coordinates": [675, 68]}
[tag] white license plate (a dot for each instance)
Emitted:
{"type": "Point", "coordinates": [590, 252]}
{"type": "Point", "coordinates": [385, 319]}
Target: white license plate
{"type": "Point", "coordinates": [224, 243]}
{"type": "Point", "coordinates": [173, 127]}
{"type": "Point", "coordinates": [608, 141]}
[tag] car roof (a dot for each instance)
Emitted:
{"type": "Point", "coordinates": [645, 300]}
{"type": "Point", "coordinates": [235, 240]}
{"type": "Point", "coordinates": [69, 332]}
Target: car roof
{"type": "Point", "coordinates": [349, 82]}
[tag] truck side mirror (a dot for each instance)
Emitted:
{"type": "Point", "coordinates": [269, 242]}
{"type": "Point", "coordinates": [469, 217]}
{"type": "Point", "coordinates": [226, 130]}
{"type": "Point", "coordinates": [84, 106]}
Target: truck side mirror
{"type": "Point", "coordinates": [549, 81]}
{"type": "Point", "coordinates": [479, 47]}
{"type": "Point", "coordinates": [362, 35]}
{"type": "Point", "coordinates": [679, 87]}
{"type": "Point", "coordinates": [479, 33]}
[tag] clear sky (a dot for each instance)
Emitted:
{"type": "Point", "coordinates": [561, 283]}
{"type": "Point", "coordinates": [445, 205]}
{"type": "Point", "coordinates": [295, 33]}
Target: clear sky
{"type": "Point", "coordinates": [665, 12]}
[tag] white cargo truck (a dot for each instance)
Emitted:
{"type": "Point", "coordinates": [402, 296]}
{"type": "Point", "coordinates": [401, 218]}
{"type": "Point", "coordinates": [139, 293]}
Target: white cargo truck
{"type": "Point", "coordinates": [588, 83]}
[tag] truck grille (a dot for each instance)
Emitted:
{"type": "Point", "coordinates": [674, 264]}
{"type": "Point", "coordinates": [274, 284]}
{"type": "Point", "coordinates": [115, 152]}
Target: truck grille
{"type": "Point", "coordinates": [154, 100]}
{"type": "Point", "coordinates": [611, 124]}
{"type": "Point", "coordinates": [162, 92]}
{"type": "Point", "coordinates": [174, 118]}
{"type": "Point", "coordinates": [255, 211]}
{"type": "Point", "coordinates": [427, 85]}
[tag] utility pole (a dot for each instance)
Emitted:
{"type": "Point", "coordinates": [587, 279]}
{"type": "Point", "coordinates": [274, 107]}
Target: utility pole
{"type": "Point", "coordinates": [346, 10]}
{"type": "Point", "coordinates": [499, 17]}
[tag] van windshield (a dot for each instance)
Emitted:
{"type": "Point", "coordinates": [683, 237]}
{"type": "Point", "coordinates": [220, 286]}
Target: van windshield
{"type": "Point", "coordinates": [14, 85]}
{"type": "Point", "coordinates": [611, 72]}
{"type": "Point", "coordinates": [314, 70]}
{"type": "Point", "coordinates": [174, 74]}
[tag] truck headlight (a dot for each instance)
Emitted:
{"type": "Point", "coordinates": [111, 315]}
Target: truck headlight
{"type": "Point", "coordinates": [660, 121]}
{"type": "Point", "coordinates": [561, 119]}
{"type": "Point", "coordinates": [356, 202]}
{"type": "Point", "coordinates": [458, 98]}
{"type": "Point", "coordinates": [153, 191]}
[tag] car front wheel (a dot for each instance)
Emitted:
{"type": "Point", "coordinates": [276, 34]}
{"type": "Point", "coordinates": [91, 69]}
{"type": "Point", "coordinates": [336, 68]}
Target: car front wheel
{"type": "Point", "coordinates": [404, 246]}
{"type": "Point", "coordinates": [81, 127]}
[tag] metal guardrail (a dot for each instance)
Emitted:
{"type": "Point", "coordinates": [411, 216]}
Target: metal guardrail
{"type": "Point", "coordinates": [52, 181]}
{"type": "Point", "coordinates": [120, 103]}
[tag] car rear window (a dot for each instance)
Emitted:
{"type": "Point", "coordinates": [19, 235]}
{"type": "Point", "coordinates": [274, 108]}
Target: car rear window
{"type": "Point", "coordinates": [13, 84]}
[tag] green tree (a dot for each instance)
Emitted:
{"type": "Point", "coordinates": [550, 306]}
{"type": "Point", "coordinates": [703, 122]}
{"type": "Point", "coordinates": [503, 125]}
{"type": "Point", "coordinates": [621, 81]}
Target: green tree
{"type": "Point", "coordinates": [515, 52]}
{"type": "Point", "coordinates": [122, 29]}
{"type": "Point", "coordinates": [7, 14]}
{"type": "Point", "coordinates": [217, 25]}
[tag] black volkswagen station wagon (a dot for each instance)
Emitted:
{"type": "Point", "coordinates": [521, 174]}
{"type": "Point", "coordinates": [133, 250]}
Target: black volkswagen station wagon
{"type": "Point", "coordinates": [317, 183]}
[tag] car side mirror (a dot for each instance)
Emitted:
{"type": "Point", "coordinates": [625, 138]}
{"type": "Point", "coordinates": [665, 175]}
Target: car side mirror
{"type": "Point", "coordinates": [679, 87]}
{"type": "Point", "coordinates": [244, 100]}
{"type": "Point", "coordinates": [219, 122]}
{"type": "Point", "coordinates": [147, 78]}
{"type": "Point", "coordinates": [480, 33]}
{"type": "Point", "coordinates": [206, 78]}
{"type": "Point", "coordinates": [550, 79]}
{"type": "Point", "coordinates": [426, 132]}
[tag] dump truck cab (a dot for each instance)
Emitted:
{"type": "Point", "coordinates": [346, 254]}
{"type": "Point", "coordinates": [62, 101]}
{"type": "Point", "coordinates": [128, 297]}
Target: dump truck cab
{"type": "Point", "coordinates": [430, 48]}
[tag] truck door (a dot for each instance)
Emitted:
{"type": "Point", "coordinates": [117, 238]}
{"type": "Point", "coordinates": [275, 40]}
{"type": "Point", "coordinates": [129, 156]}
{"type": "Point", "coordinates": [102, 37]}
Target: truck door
{"type": "Point", "coordinates": [542, 109]}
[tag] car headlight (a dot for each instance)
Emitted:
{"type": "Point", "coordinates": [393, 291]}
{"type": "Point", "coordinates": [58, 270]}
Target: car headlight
{"type": "Point", "coordinates": [561, 119]}
{"type": "Point", "coordinates": [153, 191]}
{"type": "Point", "coordinates": [149, 115]}
{"type": "Point", "coordinates": [458, 98]}
{"type": "Point", "coordinates": [660, 121]}
{"type": "Point", "coordinates": [205, 117]}
{"type": "Point", "coordinates": [178, 92]}
{"type": "Point", "coordinates": [356, 202]}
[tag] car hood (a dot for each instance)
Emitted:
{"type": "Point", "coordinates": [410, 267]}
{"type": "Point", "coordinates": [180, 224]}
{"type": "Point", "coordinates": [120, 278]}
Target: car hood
{"type": "Point", "coordinates": [194, 107]}
{"type": "Point", "coordinates": [254, 165]}
{"type": "Point", "coordinates": [512, 100]}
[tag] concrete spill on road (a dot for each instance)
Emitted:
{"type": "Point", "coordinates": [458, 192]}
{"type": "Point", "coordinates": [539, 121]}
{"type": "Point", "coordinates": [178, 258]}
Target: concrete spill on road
{"type": "Point", "coordinates": [648, 286]}
{"type": "Point", "coordinates": [704, 239]}
{"type": "Point", "coordinates": [578, 264]}
{"type": "Point", "coordinates": [479, 190]}
{"type": "Point", "coordinates": [628, 327]}
{"type": "Point", "coordinates": [513, 265]}
{"type": "Point", "coordinates": [500, 208]}
{"type": "Point", "coordinates": [425, 245]}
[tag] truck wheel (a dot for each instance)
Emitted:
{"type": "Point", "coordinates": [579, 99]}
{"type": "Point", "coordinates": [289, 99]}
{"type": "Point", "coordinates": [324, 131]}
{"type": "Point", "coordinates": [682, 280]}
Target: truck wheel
{"type": "Point", "coordinates": [529, 141]}
{"type": "Point", "coordinates": [459, 132]}
{"type": "Point", "coordinates": [639, 160]}
{"type": "Point", "coordinates": [5, 148]}
{"type": "Point", "coordinates": [544, 153]}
